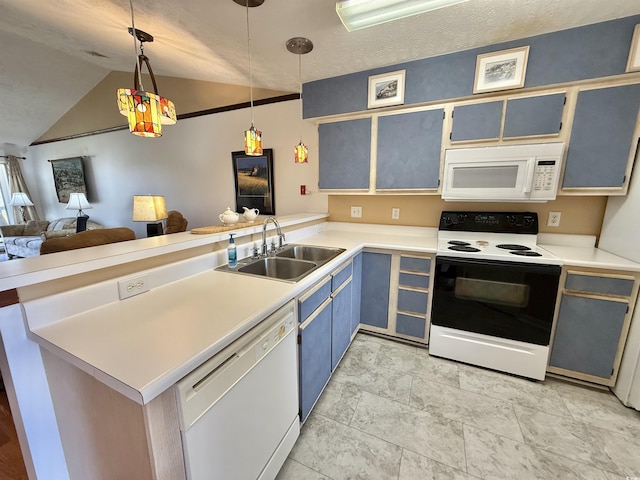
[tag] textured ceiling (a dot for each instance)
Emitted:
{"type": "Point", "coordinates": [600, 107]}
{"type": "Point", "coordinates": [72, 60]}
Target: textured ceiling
{"type": "Point", "coordinates": [46, 67]}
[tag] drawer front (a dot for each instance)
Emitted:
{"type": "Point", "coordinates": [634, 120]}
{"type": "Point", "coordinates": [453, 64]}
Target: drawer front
{"type": "Point", "coordinates": [410, 325]}
{"type": "Point", "coordinates": [412, 301]}
{"type": "Point", "coordinates": [312, 300]}
{"type": "Point", "coordinates": [411, 280]}
{"type": "Point", "coordinates": [340, 276]}
{"type": "Point", "coordinates": [603, 285]}
{"type": "Point", "coordinates": [414, 264]}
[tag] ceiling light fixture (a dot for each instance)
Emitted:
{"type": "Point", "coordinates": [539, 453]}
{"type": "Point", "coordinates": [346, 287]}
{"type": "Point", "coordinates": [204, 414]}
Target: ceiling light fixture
{"type": "Point", "coordinates": [145, 111]}
{"type": "Point", "coordinates": [357, 14]}
{"type": "Point", "coordinates": [300, 46]}
{"type": "Point", "coordinates": [252, 137]}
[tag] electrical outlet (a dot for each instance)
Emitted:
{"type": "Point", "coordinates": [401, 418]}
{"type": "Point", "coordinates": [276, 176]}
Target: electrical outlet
{"type": "Point", "coordinates": [395, 213]}
{"type": "Point", "coordinates": [133, 286]}
{"type": "Point", "coordinates": [356, 212]}
{"type": "Point", "coordinates": [554, 219]}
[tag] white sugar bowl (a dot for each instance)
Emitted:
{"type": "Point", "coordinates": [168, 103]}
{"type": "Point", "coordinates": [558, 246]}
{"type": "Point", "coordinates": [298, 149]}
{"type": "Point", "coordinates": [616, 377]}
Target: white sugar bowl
{"type": "Point", "coordinates": [250, 214]}
{"type": "Point", "coordinates": [229, 217]}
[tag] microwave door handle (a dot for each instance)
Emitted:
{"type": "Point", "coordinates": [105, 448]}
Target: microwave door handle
{"type": "Point", "coordinates": [529, 175]}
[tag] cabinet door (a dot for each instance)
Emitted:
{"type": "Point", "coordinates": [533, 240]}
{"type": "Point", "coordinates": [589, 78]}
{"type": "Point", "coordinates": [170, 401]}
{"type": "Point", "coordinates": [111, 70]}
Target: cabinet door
{"type": "Point", "coordinates": [409, 150]}
{"type": "Point", "coordinates": [356, 291]}
{"type": "Point", "coordinates": [341, 324]}
{"type": "Point", "coordinates": [534, 116]}
{"type": "Point", "coordinates": [314, 357]}
{"type": "Point", "coordinates": [602, 137]}
{"type": "Point", "coordinates": [345, 153]}
{"type": "Point", "coordinates": [480, 121]}
{"type": "Point", "coordinates": [587, 335]}
{"type": "Point", "coordinates": [376, 276]}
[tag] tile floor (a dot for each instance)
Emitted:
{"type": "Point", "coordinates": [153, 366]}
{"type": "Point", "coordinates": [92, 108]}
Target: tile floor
{"type": "Point", "coordinates": [392, 412]}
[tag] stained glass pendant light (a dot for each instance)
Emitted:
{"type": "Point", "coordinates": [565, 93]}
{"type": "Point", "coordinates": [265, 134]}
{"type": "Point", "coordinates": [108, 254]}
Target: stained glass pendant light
{"type": "Point", "coordinates": [145, 111]}
{"type": "Point", "coordinates": [300, 46]}
{"type": "Point", "coordinates": [253, 136]}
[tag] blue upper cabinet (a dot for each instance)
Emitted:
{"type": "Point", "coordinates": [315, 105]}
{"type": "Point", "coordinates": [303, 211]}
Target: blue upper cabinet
{"type": "Point", "coordinates": [345, 154]}
{"type": "Point", "coordinates": [531, 116]}
{"type": "Point", "coordinates": [480, 121]}
{"type": "Point", "coordinates": [602, 137]}
{"type": "Point", "coordinates": [408, 150]}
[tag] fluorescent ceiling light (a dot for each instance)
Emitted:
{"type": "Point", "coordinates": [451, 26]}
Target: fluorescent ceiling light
{"type": "Point", "coordinates": [356, 14]}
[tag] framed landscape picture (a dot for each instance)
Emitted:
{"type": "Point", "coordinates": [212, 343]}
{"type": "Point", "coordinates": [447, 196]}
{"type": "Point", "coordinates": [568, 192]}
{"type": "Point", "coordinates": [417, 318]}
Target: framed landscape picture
{"type": "Point", "coordinates": [68, 177]}
{"type": "Point", "coordinates": [501, 70]}
{"type": "Point", "coordinates": [386, 89]}
{"type": "Point", "coordinates": [253, 176]}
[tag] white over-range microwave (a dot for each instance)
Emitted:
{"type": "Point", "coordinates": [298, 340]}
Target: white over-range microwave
{"type": "Point", "coordinates": [514, 173]}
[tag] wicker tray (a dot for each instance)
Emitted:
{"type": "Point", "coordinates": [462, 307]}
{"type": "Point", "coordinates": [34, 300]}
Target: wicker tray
{"type": "Point", "coordinates": [221, 228]}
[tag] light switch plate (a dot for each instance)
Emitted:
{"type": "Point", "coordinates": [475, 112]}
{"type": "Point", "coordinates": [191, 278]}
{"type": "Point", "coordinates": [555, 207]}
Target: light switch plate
{"type": "Point", "coordinates": [395, 213]}
{"type": "Point", "coordinates": [133, 286]}
{"type": "Point", "coordinates": [356, 212]}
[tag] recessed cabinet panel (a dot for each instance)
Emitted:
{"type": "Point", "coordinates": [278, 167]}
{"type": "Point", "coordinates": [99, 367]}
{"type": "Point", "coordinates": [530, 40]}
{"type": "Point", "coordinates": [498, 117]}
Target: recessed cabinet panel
{"type": "Point", "coordinates": [587, 335]}
{"type": "Point", "coordinates": [415, 264]}
{"type": "Point", "coordinates": [341, 324]}
{"type": "Point", "coordinates": [376, 271]}
{"type": "Point", "coordinates": [409, 150]}
{"type": "Point", "coordinates": [600, 285]}
{"type": "Point", "coordinates": [413, 280]}
{"type": "Point", "coordinates": [533, 116]}
{"type": "Point", "coordinates": [312, 300]}
{"type": "Point", "coordinates": [410, 325]}
{"type": "Point", "coordinates": [345, 152]}
{"type": "Point", "coordinates": [412, 301]}
{"type": "Point", "coordinates": [602, 137]}
{"type": "Point", "coordinates": [477, 122]}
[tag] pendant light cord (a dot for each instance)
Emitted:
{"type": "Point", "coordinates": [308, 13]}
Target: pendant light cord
{"type": "Point", "coordinates": [300, 81]}
{"type": "Point", "coordinates": [249, 49]}
{"type": "Point", "coordinates": [135, 45]}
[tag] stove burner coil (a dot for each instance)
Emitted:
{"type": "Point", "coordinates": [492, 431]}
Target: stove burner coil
{"type": "Point", "coordinates": [512, 246]}
{"type": "Point", "coordinates": [459, 243]}
{"type": "Point", "coordinates": [525, 253]}
{"type": "Point", "coordinates": [464, 248]}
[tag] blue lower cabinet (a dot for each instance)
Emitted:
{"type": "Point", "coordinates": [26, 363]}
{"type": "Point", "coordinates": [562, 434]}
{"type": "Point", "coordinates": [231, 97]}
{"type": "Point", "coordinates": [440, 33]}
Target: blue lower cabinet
{"type": "Point", "coordinates": [340, 324]}
{"type": "Point", "coordinates": [411, 325]}
{"type": "Point", "coordinates": [376, 278]}
{"type": "Point", "coordinates": [314, 356]}
{"type": "Point", "coordinates": [356, 291]}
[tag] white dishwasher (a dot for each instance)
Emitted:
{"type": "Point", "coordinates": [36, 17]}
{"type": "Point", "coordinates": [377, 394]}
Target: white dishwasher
{"type": "Point", "coordinates": [239, 410]}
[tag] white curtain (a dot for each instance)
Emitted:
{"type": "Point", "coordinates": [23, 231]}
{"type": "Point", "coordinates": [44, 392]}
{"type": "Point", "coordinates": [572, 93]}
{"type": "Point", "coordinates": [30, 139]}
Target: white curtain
{"type": "Point", "coordinates": [17, 184]}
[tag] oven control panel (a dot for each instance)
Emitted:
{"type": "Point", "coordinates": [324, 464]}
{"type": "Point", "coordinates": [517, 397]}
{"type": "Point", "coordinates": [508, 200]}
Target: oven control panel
{"type": "Point", "coordinates": [496, 222]}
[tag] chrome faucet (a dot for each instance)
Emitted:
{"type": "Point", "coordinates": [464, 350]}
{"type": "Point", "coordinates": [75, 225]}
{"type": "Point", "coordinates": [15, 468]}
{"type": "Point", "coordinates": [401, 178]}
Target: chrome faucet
{"type": "Point", "coordinates": [264, 234]}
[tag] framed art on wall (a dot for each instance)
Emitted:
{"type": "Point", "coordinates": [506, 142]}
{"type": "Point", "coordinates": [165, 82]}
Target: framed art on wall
{"type": "Point", "coordinates": [501, 70]}
{"type": "Point", "coordinates": [68, 177]}
{"type": "Point", "coordinates": [386, 89]}
{"type": "Point", "coordinates": [633, 64]}
{"type": "Point", "coordinates": [253, 176]}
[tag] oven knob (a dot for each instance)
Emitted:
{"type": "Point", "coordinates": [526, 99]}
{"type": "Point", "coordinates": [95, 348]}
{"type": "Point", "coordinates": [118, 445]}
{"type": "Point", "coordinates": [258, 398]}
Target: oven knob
{"type": "Point", "coordinates": [447, 220]}
{"type": "Point", "coordinates": [511, 219]}
{"type": "Point", "coordinates": [528, 221]}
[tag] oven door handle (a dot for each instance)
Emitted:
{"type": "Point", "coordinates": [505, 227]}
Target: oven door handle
{"type": "Point", "coordinates": [529, 267]}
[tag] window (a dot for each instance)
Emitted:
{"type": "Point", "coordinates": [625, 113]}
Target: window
{"type": "Point", "coordinates": [6, 214]}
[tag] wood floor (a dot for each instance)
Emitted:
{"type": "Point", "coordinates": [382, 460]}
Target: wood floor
{"type": "Point", "coordinates": [11, 463]}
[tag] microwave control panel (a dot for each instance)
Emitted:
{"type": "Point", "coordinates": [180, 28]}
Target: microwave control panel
{"type": "Point", "coordinates": [544, 178]}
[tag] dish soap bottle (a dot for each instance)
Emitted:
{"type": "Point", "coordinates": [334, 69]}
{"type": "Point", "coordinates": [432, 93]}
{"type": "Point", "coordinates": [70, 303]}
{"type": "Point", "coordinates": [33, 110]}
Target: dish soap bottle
{"type": "Point", "coordinates": [231, 252]}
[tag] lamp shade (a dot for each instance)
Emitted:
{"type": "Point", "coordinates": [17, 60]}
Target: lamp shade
{"type": "Point", "coordinates": [149, 208]}
{"type": "Point", "coordinates": [78, 201]}
{"type": "Point", "coordinates": [356, 14]}
{"type": "Point", "coordinates": [20, 199]}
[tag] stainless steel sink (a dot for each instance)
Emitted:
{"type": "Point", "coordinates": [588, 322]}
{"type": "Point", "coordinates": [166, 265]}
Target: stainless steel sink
{"type": "Point", "coordinates": [280, 268]}
{"type": "Point", "coordinates": [291, 264]}
{"type": "Point", "coordinates": [310, 253]}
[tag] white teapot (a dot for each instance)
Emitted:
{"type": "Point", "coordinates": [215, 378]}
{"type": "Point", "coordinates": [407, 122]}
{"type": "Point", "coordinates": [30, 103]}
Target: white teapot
{"type": "Point", "coordinates": [250, 214]}
{"type": "Point", "coordinates": [229, 217]}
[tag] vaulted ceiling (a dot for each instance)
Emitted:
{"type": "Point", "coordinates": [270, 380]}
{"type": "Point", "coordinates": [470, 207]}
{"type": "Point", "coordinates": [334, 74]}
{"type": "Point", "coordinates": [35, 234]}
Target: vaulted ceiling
{"type": "Point", "coordinates": [53, 52]}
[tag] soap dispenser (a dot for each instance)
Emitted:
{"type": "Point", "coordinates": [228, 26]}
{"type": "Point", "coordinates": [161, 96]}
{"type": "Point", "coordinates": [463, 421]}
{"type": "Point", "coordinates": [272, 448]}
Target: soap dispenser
{"type": "Point", "coordinates": [231, 252]}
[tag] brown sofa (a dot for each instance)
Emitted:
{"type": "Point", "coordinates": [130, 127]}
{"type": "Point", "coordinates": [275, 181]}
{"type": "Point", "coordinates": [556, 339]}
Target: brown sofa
{"type": "Point", "coordinates": [88, 238]}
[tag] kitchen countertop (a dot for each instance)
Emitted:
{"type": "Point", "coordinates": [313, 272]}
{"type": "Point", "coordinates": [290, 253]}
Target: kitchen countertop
{"type": "Point", "coordinates": [142, 345]}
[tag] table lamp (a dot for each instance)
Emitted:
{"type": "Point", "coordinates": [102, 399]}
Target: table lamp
{"type": "Point", "coordinates": [20, 199]}
{"type": "Point", "coordinates": [78, 201]}
{"type": "Point", "coordinates": [150, 208]}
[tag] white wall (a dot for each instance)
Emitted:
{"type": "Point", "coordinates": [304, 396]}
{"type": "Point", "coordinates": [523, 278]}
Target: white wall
{"type": "Point", "coordinates": [190, 165]}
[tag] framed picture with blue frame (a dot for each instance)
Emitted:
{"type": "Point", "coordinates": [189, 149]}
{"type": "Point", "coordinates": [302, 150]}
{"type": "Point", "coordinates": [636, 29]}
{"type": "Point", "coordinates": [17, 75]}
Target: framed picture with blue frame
{"type": "Point", "coordinates": [253, 177]}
